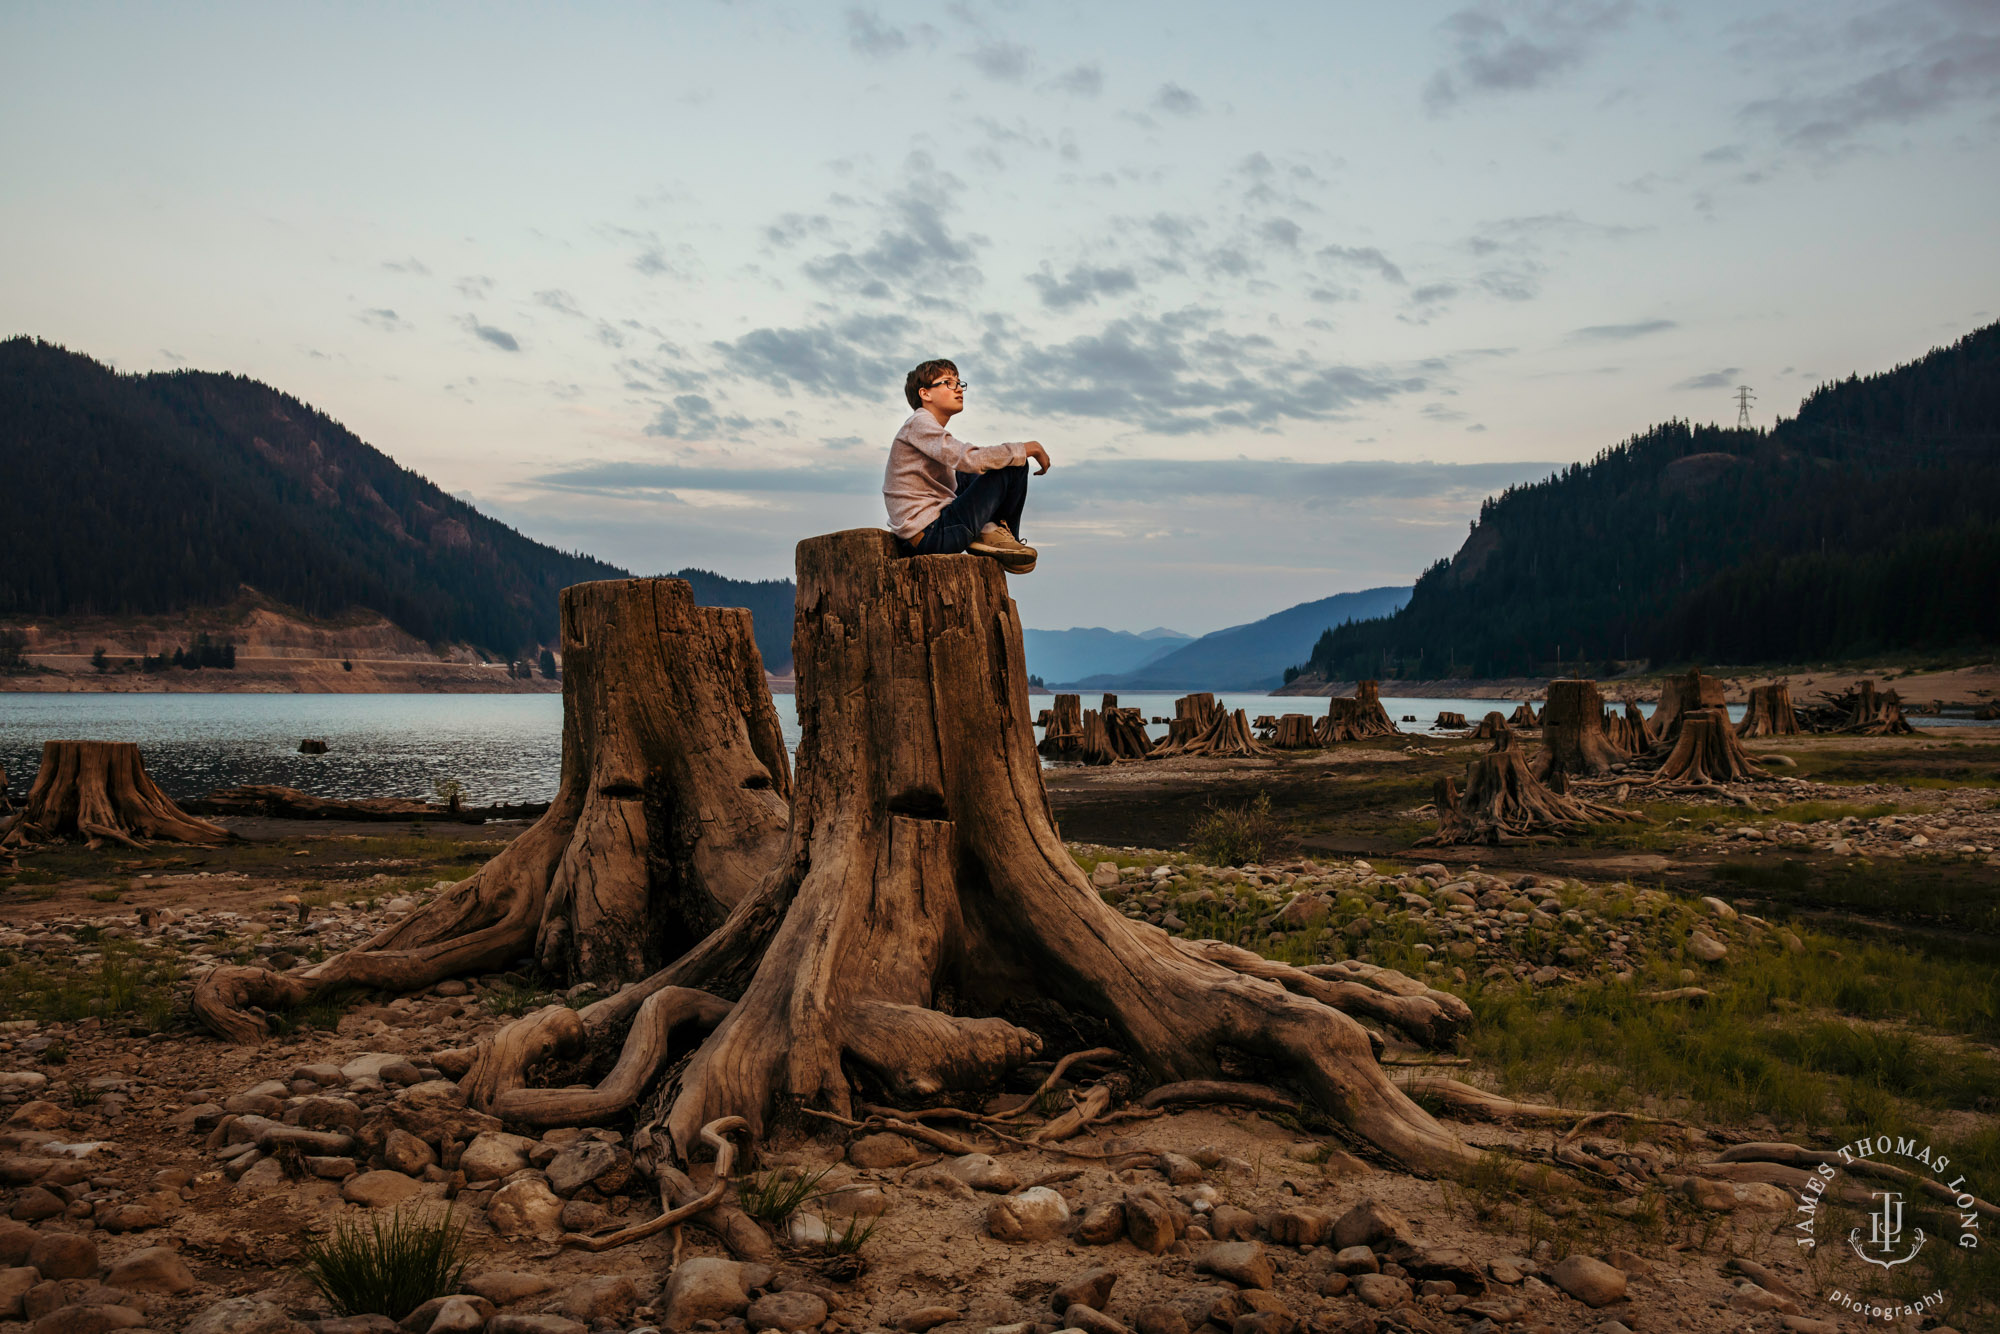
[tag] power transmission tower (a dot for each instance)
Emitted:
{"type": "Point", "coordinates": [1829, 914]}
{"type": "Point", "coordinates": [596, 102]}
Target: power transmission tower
{"type": "Point", "coordinates": [1744, 398]}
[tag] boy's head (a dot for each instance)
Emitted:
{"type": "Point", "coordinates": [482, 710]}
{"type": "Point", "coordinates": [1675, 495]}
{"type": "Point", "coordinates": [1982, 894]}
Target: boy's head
{"type": "Point", "coordinates": [924, 377]}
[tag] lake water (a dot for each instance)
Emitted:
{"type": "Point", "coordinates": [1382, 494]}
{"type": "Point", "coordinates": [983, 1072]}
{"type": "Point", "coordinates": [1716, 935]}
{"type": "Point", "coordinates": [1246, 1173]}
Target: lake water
{"type": "Point", "coordinates": [501, 748]}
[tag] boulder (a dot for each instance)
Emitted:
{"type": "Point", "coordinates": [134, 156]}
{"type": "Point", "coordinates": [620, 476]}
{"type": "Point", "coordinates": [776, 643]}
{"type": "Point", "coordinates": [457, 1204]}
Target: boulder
{"type": "Point", "coordinates": [1150, 1224]}
{"type": "Point", "coordinates": [1357, 1260]}
{"type": "Point", "coordinates": [88, 1320]}
{"type": "Point", "coordinates": [459, 1315]}
{"type": "Point", "coordinates": [534, 1324]}
{"type": "Point", "coordinates": [15, 1243]}
{"type": "Point", "coordinates": [1368, 1224]}
{"type": "Point", "coordinates": [1590, 1281]}
{"type": "Point", "coordinates": [882, 1151]}
{"type": "Point", "coordinates": [1244, 1263]}
{"type": "Point", "coordinates": [1160, 1318]}
{"type": "Point", "coordinates": [983, 1172]}
{"type": "Point", "coordinates": [244, 1315]}
{"type": "Point", "coordinates": [525, 1208]}
{"type": "Point", "coordinates": [1102, 1223]}
{"type": "Point", "coordinates": [64, 1255]}
{"type": "Point", "coordinates": [1033, 1215]}
{"type": "Point", "coordinates": [1092, 1321]}
{"type": "Point", "coordinates": [154, 1269]}
{"type": "Point", "coordinates": [1381, 1291]}
{"type": "Point", "coordinates": [37, 1203]}
{"type": "Point", "coordinates": [128, 1218]}
{"type": "Point", "coordinates": [1226, 1222]}
{"type": "Point", "coordinates": [39, 1115]}
{"type": "Point", "coordinates": [703, 1288]}
{"type": "Point", "coordinates": [583, 1163]}
{"type": "Point", "coordinates": [1298, 1226]}
{"type": "Point", "coordinates": [788, 1311]}
{"type": "Point", "coordinates": [926, 1318]}
{"type": "Point", "coordinates": [405, 1153]}
{"type": "Point", "coordinates": [1706, 947]}
{"type": "Point", "coordinates": [604, 1297]}
{"type": "Point", "coordinates": [504, 1287]}
{"type": "Point", "coordinates": [14, 1285]}
{"type": "Point", "coordinates": [378, 1190]}
{"type": "Point", "coordinates": [494, 1155]}
{"type": "Point", "coordinates": [1091, 1288]}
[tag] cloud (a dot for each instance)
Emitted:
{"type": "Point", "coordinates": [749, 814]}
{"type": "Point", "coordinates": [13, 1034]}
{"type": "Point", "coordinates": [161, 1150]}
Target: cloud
{"type": "Point", "coordinates": [1181, 373]}
{"type": "Point", "coordinates": [1722, 379]}
{"type": "Point", "coordinates": [652, 262]}
{"type": "Point", "coordinates": [693, 417]}
{"type": "Point", "coordinates": [381, 317]}
{"type": "Point", "coordinates": [1933, 70]}
{"type": "Point", "coordinates": [1281, 232]}
{"type": "Point", "coordinates": [1177, 100]}
{"type": "Point", "coordinates": [1363, 257]}
{"type": "Point", "coordinates": [486, 333]}
{"type": "Point", "coordinates": [474, 287]}
{"type": "Point", "coordinates": [849, 359]}
{"type": "Point", "coordinates": [1078, 81]}
{"type": "Point", "coordinates": [559, 301]}
{"type": "Point", "coordinates": [617, 477]}
{"type": "Point", "coordinates": [867, 34]}
{"type": "Point", "coordinates": [1082, 285]}
{"type": "Point", "coordinates": [409, 265]}
{"type": "Point", "coordinates": [1505, 46]}
{"type": "Point", "coordinates": [1618, 333]}
{"type": "Point", "coordinates": [1006, 62]}
{"type": "Point", "coordinates": [915, 250]}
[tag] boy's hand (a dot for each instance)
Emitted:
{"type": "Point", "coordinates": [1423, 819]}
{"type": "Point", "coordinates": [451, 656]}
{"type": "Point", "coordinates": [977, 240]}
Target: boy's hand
{"type": "Point", "coordinates": [1039, 455]}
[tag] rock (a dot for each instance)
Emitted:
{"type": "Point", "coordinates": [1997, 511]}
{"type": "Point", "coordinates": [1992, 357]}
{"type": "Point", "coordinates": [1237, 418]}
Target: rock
{"type": "Point", "coordinates": [1504, 1273]}
{"type": "Point", "coordinates": [15, 1243]}
{"type": "Point", "coordinates": [1381, 1291]}
{"type": "Point", "coordinates": [1160, 1318]}
{"type": "Point", "coordinates": [1226, 1222]}
{"type": "Point", "coordinates": [525, 1208]}
{"type": "Point", "coordinates": [1180, 1170]}
{"type": "Point", "coordinates": [1590, 1281]}
{"type": "Point", "coordinates": [127, 1218]}
{"type": "Point", "coordinates": [983, 1172]}
{"type": "Point", "coordinates": [1638, 1266]}
{"type": "Point", "coordinates": [1150, 1224]}
{"type": "Point", "coordinates": [583, 1216]}
{"type": "Point", "coordinates": [582, 1163]}
{"type": "Point", "coordinates": [883, 1150]}
{"type": "Point", "coordinates": [154, 1269]}
{"type": "Point", "coordinates": [405, 1153]}
{"type": "Point", "coordinates": [355, 1324]}
{"type": "Point", "coordinates": [88, 1320]}
{"type": "Point", "coordinates": [1102, 1223]}
{"type": "Point", "coordinates": [326, 1076]}
{"type": "Point", "coordinates": [1706, 947]}
{"type": "Point", "coordinates": [1730, 1196]}
{"type": "Point", "coordinates": [1091, 1288]}
{"type": "Point", "coordinates": [244, 1315]}
{"type": "Point", "coordinates": [1264, 1322]}
{"type": "Point", "coordinates": [925, 1318]}
{"type": "Point", "coordinates": [1357, 1260]}
{"type": "Point", "coordinates": [1104, 875]}
{"type": "Point", "coordinates": [64, 1255]}
{"type": "Point", "coordinates": [853, 1202]}
{"type": "Point", "coordinates": [1033, 1215]}
{"type": "Point", "coordinates": [1751, 1300]}
{"type": "Point", "coordinates": [1244, 1263]}
{"type": "Point", "coordinates": [504, 1287]}
{"type": "Point", "coordinates": [378, 1190]}
{"type": "Point", "coordinates": [36, 1203]}
{"type": "Point", "coordinates": [332, 1169]}
{"type": "Point", "coordinates": [14, 1285]}
{"type": "Point", "coordinates": [328, 1114]}
{"type": "Point", "coordinates": [534, 1324]}
{"type": "Point", "coordinates": [459, 1315]}
{"type": "Point", "coordinates": [788, 1311]}
{"type": "Point", "coordinates": [493, 1155]}
{"type": "Point", "coordinates": [1298, 1227]}
{"type": "Point", "coordinates": [1805, 1324]}
{"type": "Point", "coordinates": [703, 1289]}
{"type": "Point", "coordinates": [39, 1115]}
{"type": "Point", "coordinates": [1335, 1284]}
{"type": "Point", "coordinates": [1092, 1321]}
{"type": "Point", "coordinates": [605, 1297]}
{"type": "Point", "coordinates": [264, 1177]}
{"type": "Point", "coordinates": [1718, 908]}
{"type": "Point", "coordinates": [1368, 1223]}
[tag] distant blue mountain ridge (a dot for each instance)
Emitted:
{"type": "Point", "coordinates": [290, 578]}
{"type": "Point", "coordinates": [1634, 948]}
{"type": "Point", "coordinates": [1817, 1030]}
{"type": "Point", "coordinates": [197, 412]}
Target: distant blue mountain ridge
{"type": "Point", "coordinates": [1242, 657]}
{"type": "Point", "coordinates": [1066, 655]}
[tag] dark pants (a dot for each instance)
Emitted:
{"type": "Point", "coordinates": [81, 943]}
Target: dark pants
{"type": "Point", "coordinates": [983, 498]}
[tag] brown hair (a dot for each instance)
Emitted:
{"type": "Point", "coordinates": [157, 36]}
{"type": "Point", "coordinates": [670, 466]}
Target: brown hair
{"type": "Point", "coordinates": [923, 377]}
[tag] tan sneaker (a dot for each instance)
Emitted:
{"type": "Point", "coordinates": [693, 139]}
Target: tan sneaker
{"type": "Point", "coordinates": [998, 541]}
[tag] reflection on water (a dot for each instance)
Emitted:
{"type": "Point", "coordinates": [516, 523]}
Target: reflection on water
{"type": "Point", "coordinates": [502, 748]}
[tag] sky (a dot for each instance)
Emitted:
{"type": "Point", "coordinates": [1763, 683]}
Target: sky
{"type": "Point", "coordinates": [1285, 289]}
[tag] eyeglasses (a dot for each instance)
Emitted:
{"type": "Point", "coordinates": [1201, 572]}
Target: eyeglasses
{"type": "Point", "coordinates": [948, 384]}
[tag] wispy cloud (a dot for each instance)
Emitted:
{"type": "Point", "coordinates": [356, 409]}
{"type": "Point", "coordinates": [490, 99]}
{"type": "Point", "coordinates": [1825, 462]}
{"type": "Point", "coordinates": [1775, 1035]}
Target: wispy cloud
{"type": "Point", "coordinates": [1722, 379]}
{"type": "Point", "coordinates": [1505, 46]}
{"type": "Point", "coordinates": [1176, 100]}
{"type": "Point", "coordinates": [1082, 285]}
{"type": "Point", "coordinates": [1618, 333]}
{"type": "Point", "coordinates": [491, 336]}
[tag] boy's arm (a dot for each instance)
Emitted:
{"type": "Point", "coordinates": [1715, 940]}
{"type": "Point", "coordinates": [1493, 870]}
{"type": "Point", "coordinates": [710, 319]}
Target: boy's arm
{"type": "Point", "coordinates": [933, 441]}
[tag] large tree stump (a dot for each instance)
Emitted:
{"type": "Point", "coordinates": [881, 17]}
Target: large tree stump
{"type": "Point", "coordinates": [1492, 726]}
{"type": "Point", "coordinates": [1193, 715]}
{"type": "Point", "coordinates": [1770, 713]}
{"type": "Point", "coordinates": [1680, 696]}
{"type": "Point", "coordinates": [1708, 752]}
{"type": "Point", "coordinates": [671, 807]}
{"type": "Point", "coordinates": [1227, 734]}
{"type": "Point", "coordinates": [1448, 721]}
{"type": "Point", "coordinates": [99, 791]}
{"type": "Point", "coordinates": [1294, 732]}
{"type": "Point", "coordinates": [1062, 736]}
{"type": "Point", "coordinates": [1875, 712]}
{"type": "Point", "coordinates": [1095, 745]}
{"type": "Point", "coordinates": [1573, 738]}
{"type": "Point", "coordinates": [923, 862]}
{"type": "Point", "coordinates": [1503, 802]}
{"type": "Point", "coordinates": [1126, 731]}
{"type": "Point", "coordinates": [1355, 718]}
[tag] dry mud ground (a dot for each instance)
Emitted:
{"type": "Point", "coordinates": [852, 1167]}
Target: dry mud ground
{"type": "Point", "coordinates": [1855, 991]}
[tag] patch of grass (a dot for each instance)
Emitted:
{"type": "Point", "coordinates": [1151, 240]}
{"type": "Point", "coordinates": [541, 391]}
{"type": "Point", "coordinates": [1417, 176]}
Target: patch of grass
{"type": "Point", "coordinates": [128, 980]}
{"type": "Point", "coordinates": [387, 1267]}
{"type": "Point", "coordinates": [106, 895]}
{"type": "Point", "coordinates": [514, 999]}
{"type": "Point", "coordinates": [853, 1237]}
{"type": "Point", "coordinates": [1936, 892]}
{"type": "Point", "coordinates": [774, 1197]}
{"type": "Point", "coordinates": [1238, 835]}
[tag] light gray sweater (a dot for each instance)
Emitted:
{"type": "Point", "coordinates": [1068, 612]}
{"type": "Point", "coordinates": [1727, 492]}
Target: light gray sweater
{"type": "Point", "coordinates": [924, 463]}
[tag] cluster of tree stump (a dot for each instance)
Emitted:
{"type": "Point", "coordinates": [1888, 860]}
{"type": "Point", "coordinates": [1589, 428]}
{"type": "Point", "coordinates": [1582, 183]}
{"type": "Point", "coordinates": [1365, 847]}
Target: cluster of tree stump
{"type": "Point", "coordinates": [889, 928]}
{"type": "Point", "coordinates": [1355, 718]}
{"type": "Point", "coordinates": [1863, 709]}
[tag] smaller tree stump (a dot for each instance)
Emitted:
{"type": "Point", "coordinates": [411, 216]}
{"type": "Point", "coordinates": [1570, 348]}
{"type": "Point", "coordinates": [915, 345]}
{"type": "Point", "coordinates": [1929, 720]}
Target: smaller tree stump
{"type": "Point", "coordinates": [1770, 713]}
{"type": "Point", "coordinates": [1227, 734]}
{"type": "Point", "coordinates": [1493, 725]}
{"type": "Point", "coordinates": [1294, 731]}
{"type": "Point", "coordinates": [1707, 752]}
{"type": "Point", "coordinates": [1503, 802]}
{"type": "Point", "coordinates": [1094, 747]}
{"type": "Point", "coordinates": [1680, 696]}
{"type": "Point", "coordinates": [1876, 712]}
{"type": "Point", "coordinates": [1126, 729]}
{"type": "Point", "coordinates": [99, 791]}
{"type": "Point", "coordinates": [1523, 716]}
{"type": "Point", "coordinates": [1573, 738]}
{"type": "Point", "coordinates": [1062, 739]}
{"type": "Point", "coordinates": [1355, 718]}
{"type": "Point", "coordinates": [1452, 722]}
{"type": "Point", "coordinates": [1193, 715]}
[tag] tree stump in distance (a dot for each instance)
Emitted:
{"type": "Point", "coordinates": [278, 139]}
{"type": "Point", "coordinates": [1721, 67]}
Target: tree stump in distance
{"type": "Point", "coordinates": [1355, 717]}
{"type": "Point", "coordinates": [1126, 729]}
{"type": "Point", "coordinates": [1294, 732]}
{"type": "Point", "coordinates": [1193, 715]}
{"type": "Point", "coordinates": [1095, 745]}
{"type": "Point", "coordinates": [1876, 712]}
{"type": "Point", "coordinates": [1573, 739]}
{"type": "Point", "coordinates": [1523, 716]}
{"type": "Point", "coordinates": [1503, 802]}
{"type": "Point", "coordinates": [1227, 734]}
{"type": "Point", "coordinates": [1062, 738]}
{"type": "Point", "coordinates": [1770, 713]}
{"type": "Point", "coordinates": [1107, 703]}
{"type": "Point", "coordinates": [1493, 725]}
{"type": "Point", "coordinates": [1707, 752]}
{"type": "Point", "coordinates": [671, 808]}
{"type": "Point", "coordinates": [1680, 696]}
{"type": "Point", "coordinates": [1448, 721]}
{"type": "Point", "coordinates": [99, 791]}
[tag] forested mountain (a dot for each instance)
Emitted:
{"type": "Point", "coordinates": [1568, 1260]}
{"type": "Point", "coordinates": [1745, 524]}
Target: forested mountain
{"type": "Point", "coordinates": [1252, 656]}
{"type": "Point", "coordinates": [1868, 523]}
{"type": "Point", "coordinates": [129, 495]}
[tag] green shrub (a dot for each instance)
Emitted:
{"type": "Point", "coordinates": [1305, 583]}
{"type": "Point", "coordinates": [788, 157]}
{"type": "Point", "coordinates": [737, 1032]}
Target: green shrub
{"type": "Point", "coordinates": [378, 1267]}
{"type": "Point", "coordinates": [1239, 834]}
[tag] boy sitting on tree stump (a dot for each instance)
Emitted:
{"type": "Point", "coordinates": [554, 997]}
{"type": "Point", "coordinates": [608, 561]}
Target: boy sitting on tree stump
{"type": "Point", "coordinates": [945, 496]}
